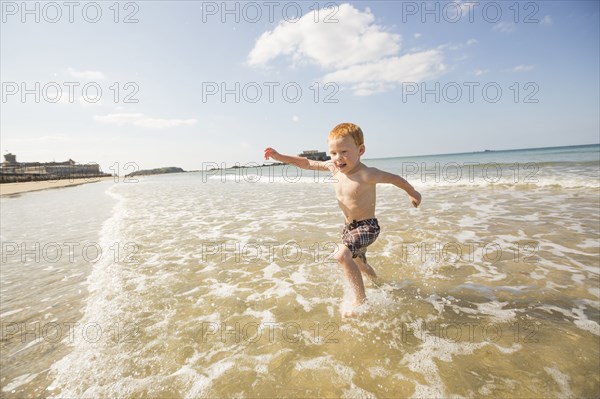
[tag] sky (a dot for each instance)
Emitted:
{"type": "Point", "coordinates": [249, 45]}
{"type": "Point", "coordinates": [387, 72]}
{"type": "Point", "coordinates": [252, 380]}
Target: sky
{"type": "Point", "coordinates": [146, 84]}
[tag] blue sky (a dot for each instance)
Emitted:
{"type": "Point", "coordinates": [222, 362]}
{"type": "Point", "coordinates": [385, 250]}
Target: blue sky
{"type": "Point", "coordinates": [368, 62]}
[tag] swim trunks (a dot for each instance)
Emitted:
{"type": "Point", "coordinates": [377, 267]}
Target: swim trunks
{"type": "Point", "coordinates": [358, 235]}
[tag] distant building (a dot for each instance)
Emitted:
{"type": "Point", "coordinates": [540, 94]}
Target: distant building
{"type": "Point", "coordinates": [13, 171]}
{"type": "Point", "coordinates": [9, 159]}
{"type": "Point", "coordinates": [315, 155]}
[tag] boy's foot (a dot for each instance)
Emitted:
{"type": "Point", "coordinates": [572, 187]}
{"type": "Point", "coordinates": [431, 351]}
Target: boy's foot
{"type": "Point", "coordinates": [377, 281]}
{"type": "Point", "coordinates": [356, 309]}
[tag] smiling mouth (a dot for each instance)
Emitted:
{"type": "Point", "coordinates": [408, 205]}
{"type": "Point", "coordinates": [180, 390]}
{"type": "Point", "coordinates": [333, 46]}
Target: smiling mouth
{"type": "Point", "coordinates": [341, 165]}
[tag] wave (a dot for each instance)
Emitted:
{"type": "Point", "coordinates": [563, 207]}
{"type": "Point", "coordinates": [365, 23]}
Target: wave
{"type": "Point", "coordinates": [73, 372]}
{"type": "Point", "coordinates": [439, 180]}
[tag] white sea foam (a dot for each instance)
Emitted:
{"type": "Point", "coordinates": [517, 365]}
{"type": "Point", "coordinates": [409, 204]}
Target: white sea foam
{"type": "Point", "coordinates": [199, 383]}
{"type": "Point", "coordinates": [562, 380]}
{"type": "Point", "coordinates": [342, 375]}
{"type": "Point", "coordinates": [582, 321]}
{"type": "Point", "coordinates": [422, 361]}
{"type": "Point", "coordinates": [264, 316]}
{"type": "Point", "coordinates": [175, 290]}
{"type": "Point", "coordinates": [577, 315]}
{"type": "Point", "coordinates": [19, 381]}
{"type": "Point", "coordinates": [497, 311]}
{"type": "Point", "coordinates": [104, 283]}
{"type": "Point", "coordinates": [301, 178]}
{"type": "Point", "coordinates": [11, 312]}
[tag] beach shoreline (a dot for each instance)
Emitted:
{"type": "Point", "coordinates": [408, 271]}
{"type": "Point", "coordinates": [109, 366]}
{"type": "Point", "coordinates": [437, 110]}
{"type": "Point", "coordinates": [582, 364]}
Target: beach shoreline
{"type": "Point", "coordinates": [25, 187]}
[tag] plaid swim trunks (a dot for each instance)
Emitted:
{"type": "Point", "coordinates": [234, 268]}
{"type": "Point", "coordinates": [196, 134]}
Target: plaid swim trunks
{"type": "Point", "coordinates": [358, 235]}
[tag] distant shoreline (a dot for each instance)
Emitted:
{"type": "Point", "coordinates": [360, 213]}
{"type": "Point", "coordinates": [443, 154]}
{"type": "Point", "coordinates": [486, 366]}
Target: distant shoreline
{"type": "Point", "coordinates": [25, 187]}
{"type": "Point", "coordinates": [165, 170]}
{"type": "Point", "coordinates": [240, 166]}
{"type": "Point", "coordinates": [484, 152]}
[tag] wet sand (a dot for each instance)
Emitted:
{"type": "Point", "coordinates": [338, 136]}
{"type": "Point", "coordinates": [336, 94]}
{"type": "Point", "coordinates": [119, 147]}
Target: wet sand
{"type": "Point", "coordinates": [24, 187]}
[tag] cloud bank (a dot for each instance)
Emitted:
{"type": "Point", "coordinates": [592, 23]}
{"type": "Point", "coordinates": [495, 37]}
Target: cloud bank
{"type": "Point", "coordinates": [351, 47]}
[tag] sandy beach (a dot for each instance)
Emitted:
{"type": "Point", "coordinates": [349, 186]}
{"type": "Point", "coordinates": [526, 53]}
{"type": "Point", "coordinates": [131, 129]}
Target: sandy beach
{"type": "Point", "coordinates": [24, 187]}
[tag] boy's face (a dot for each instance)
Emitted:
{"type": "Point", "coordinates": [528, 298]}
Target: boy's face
{"type": "Point", "coordinates": [345, 154]}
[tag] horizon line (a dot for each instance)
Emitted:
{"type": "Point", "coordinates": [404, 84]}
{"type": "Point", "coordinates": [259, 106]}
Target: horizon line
{"type": "Point", "coordinates": [485, 151]}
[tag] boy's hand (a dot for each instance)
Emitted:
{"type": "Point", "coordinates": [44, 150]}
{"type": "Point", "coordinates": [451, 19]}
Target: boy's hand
{"type": "Point", "coordinates": [415, 199]}
{"type": "Point", "coordinates": [270, 153]}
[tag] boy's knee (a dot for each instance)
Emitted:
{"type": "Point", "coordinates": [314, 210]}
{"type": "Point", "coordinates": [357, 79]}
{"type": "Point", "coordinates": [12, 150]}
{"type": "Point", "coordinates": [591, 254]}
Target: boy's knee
{"type": "Point", "coordinates": [342, 254]}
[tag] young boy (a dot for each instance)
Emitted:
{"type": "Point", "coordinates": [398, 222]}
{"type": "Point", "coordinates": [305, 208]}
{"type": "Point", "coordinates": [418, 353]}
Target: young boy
{"type": "Point", "coordinates": [355, 192]}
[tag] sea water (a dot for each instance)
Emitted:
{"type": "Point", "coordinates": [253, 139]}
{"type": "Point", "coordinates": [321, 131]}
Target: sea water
{"type": "Point", "coordinates": [221, 284]}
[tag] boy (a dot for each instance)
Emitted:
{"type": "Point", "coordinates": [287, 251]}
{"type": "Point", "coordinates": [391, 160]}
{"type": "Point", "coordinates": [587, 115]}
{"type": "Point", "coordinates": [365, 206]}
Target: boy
{"type": "Point", "coordinates": [355, 192]}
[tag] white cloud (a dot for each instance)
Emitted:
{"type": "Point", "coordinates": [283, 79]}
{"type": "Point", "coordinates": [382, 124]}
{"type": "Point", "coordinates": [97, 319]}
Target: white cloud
{"type": "Point", "coordinates": [119, 119]}
{"type": "Point", "coordinates": [387, 73]}
{"type": "Point", "coordinates": [547, 20]}
{"type": "Point", "coordinates": [457, 46]}
{"type": "Point", "coordinates": [295, 118]}
{"type": "Point", "coordinates": [479, 72]}
{"type": "Point", "coordinates": [141, 120]}
{"type": "Point", "coordinates": [505, 27]}
{"type": "Point", "coordinates": [523, 68]}
{"type": "Point", "coordinates": [353, 39]}
{"type": "Point", "coordinates": [355, 50]}
{"type": "Point", "coordinates": [417, 35]}
{"type": "Point", "coordinates": [87, 75]}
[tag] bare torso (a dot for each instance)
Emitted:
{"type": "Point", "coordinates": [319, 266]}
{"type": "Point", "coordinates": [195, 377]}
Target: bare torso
{"type": "Point", "coordinates": [355, 194]}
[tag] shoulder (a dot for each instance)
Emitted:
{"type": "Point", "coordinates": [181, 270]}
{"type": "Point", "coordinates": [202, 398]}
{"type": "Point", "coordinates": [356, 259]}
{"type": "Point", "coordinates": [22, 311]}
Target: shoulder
{"type": "Point", "coordinates": [368, 170]}
{"type": "Point", "coordinates": [370, 174]}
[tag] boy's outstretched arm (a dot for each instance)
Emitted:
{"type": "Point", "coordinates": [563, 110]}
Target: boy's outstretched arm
{"type": "Point", "coordinates": [300, 162]}
{"type": "Point", "coordinates": [380, 176]}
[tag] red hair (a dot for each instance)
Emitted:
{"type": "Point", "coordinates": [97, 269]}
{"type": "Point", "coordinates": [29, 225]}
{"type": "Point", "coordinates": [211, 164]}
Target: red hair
{"type": "Point", "coordinates": [348, 129]}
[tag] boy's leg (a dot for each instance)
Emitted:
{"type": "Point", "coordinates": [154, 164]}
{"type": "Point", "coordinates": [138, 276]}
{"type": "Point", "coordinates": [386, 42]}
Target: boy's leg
{"type": "Point", "coordinates": [368, 270]}
{"type": "Point", "coordinates": [358, 236]}
{"type": "Point", "coordinates": [352, 273]}
{"type": "Point", "coordinates": [365, 268]}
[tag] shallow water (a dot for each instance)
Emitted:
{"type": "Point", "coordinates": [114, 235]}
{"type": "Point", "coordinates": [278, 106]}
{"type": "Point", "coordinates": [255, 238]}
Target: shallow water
{"type": "Point", "coordinates": [207, 288]}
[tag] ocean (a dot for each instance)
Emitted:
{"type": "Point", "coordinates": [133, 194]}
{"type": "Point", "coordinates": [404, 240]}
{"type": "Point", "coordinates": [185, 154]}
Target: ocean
{"type": "Point", "coordinates": [220, 283]}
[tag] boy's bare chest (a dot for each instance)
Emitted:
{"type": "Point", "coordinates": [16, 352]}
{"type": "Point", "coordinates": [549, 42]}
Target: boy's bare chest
{"type": "Point", "coordinates": [350, 188]}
